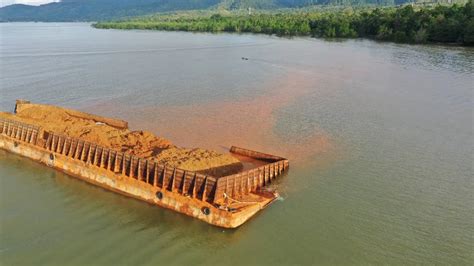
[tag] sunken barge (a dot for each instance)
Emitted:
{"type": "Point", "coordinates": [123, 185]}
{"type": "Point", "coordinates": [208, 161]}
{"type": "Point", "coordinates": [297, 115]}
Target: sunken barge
{"type": "Point", "coordinates": [226, 201]}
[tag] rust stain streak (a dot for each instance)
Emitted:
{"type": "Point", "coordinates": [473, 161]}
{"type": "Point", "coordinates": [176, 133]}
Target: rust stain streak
{"type": "Point", "coordinates": [88, 163]}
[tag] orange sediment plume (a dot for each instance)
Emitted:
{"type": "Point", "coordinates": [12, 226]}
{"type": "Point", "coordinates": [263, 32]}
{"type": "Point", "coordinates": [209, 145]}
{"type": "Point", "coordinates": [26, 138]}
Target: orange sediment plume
{"type": "Point", "coordinates": [243, 122]}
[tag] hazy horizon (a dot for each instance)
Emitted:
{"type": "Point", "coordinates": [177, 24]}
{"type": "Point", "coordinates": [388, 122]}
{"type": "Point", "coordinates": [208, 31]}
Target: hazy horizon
{"type": "Point", "coordinates": [4, 3]}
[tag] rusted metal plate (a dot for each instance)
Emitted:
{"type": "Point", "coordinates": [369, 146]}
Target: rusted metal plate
{"type": "Point", "coordinates": [186, 191]}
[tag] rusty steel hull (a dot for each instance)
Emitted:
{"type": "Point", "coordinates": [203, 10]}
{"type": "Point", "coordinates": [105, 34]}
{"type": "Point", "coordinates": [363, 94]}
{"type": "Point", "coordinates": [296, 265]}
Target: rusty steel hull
{"type": "Point", "coordinates": [122, 184]}
{"type": "Point", "coordinates": [225, 201]}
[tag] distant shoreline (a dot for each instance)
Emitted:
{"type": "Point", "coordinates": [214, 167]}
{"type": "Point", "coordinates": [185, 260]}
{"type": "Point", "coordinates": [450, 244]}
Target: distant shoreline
{"type": "Point", "coordinates": [334, 39]}
{"type": "Point", "coordinates": [451, 25]}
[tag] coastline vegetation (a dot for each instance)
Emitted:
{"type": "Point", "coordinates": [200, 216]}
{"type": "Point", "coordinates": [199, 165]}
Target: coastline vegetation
{"type": "Point", "coordinates": [404, 24]}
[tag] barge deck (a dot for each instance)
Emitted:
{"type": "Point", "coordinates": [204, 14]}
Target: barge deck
{"type": "Point", "coordinates": [225, 201]}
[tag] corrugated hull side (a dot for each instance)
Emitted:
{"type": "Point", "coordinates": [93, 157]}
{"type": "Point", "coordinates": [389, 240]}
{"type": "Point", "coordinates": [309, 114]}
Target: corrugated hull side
{"type": "Point", "coordinates": [133, 187]}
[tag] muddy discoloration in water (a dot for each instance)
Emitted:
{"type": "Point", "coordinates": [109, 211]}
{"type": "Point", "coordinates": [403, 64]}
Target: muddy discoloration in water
{"type": "Point", "coordinates": [245, 122]}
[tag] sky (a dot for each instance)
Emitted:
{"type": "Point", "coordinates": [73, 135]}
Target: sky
{"type": "Point", "coordinates": [26, 2]}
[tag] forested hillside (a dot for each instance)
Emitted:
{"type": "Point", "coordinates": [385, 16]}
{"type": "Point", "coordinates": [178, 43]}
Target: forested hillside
{"type": "Point", "coordinates": [406, 24]}
{"type": "Point", "coordinates": [95, 10]}
{"type": "Point", "coordinates": [269, 4]}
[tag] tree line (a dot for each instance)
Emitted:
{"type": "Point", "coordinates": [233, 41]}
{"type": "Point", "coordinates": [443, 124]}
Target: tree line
{"type": "Point", "coordinates": [405, 24]}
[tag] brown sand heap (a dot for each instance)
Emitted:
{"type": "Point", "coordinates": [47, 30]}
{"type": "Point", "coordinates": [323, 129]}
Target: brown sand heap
{"type": "Point", "coordinates": [99, 130]}
{"type": "Point", "coordinates": [200, 160]}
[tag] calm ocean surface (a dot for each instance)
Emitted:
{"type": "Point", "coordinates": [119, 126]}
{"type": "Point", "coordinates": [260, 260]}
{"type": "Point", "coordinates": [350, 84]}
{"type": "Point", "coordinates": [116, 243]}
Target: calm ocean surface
{"type": "Point", "coordinates": [379, 137]}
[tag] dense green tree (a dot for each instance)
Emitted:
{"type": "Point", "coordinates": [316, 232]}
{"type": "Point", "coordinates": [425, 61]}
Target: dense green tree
{"type": "Point", "coordinates": [94, 10]}
{"type": "Point", "coordinates": [407, 24]}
